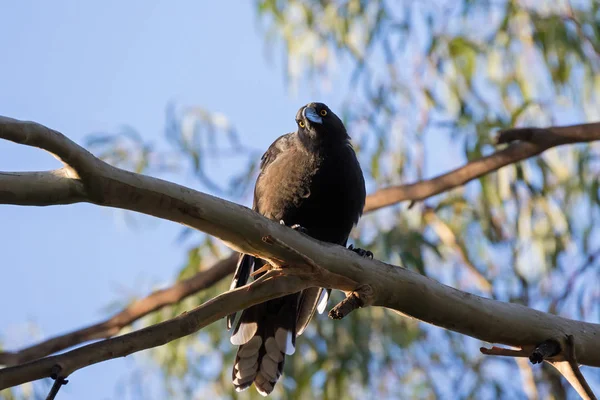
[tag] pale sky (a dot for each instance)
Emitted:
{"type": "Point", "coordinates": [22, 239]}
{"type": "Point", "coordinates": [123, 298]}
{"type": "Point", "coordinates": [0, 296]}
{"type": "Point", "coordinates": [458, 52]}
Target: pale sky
{"type": "Point", "coordinates": [85, 67]}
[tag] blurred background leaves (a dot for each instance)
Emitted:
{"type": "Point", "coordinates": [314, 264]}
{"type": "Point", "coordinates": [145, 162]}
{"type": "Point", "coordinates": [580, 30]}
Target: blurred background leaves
{"type": "Point", "coordinates": [422, 87]}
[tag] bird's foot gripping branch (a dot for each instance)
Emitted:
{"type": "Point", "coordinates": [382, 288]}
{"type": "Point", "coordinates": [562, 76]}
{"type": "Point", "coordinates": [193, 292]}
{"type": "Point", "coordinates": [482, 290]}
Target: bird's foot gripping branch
{"type": "Point", "coordinates": [84, 178]}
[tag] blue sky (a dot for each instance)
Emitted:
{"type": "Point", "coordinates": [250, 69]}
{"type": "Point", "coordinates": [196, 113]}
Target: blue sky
{"type": "Point", "coordinates": [85, 67]}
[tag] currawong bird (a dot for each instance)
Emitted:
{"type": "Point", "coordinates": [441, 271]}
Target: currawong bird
{"type": "Point", "coordinates": [309, 179]}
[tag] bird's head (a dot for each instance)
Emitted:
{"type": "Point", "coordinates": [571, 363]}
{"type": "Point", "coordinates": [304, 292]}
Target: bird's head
{"type": "Point", "coordinates": [317, 121]}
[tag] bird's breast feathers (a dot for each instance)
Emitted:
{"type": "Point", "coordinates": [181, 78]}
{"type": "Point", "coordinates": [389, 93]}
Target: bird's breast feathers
{"type": "Point", "coordinates": [295, 181]}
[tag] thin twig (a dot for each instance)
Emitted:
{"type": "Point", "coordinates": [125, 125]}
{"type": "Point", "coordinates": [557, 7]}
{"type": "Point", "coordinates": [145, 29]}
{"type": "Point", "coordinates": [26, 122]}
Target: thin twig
{"type": "Point", "coordinates": [58, 383]}
{"type": "Point", "coordinates": [533, 142]}
{"type": "Point", "coordinates": [569, 368]}
{"type": "Point", "coordinates": [361, 297]}
{"type": "Point", "coordinates": [504, 352]}
{"type": "Point", "coordinates": [548, 351]}
{"type": "Point", "coordinates": [350, 303]}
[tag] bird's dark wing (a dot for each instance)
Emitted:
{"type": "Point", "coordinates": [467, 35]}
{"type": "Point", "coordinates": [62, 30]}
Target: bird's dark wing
{"type": "Point", "coordinates": [280, 145]}
{"type": "Point", "coordinates": [311, 300]}
{"type": "Point", "coordinates": [247, 263]}
{"type": "Point", "coordinates": [266, 332]}
{"type": "Point", "coordinates": [244, 268]}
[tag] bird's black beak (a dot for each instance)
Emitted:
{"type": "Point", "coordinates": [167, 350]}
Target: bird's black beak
{"type": "Point", "coordinates": [311, 114]}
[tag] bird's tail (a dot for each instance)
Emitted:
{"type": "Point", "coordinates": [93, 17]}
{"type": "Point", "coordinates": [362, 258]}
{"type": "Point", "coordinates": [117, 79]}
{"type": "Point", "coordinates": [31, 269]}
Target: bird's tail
{"type": "Point", "coordinates": [265, 333]}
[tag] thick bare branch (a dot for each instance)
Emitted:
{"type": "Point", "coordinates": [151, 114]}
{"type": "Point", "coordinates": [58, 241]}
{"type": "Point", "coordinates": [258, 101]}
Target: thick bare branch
{"type": "Point", "coordinates": [110, 327]}
{"type": "Point", "coordinates": [533, 142]}
{"type": "Point", "coordinates": [36, 135]}
{"type": "Point", "coordinates": [392, 287]}
{"type": "Point", "coordinates": [60, 186]}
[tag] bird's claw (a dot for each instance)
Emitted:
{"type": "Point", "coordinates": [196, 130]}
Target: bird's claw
{"type": "Point", "coordinates": [361, 252]}
{"type": "Point", "coordinates": [296, 227]}
{"type": "Point", "coordinates": [299, 228]}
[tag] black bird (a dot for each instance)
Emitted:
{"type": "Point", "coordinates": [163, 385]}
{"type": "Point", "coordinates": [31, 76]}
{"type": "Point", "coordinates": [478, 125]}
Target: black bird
{"type": "Point", "coordinates": [311, 179]}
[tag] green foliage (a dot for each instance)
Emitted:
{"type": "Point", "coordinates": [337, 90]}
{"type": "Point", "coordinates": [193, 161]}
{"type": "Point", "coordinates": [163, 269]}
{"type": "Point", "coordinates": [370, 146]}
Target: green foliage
{"type": "Point", "coordinates": [25, 392]}
{"type": "Point", "coordinates": [427, 85]}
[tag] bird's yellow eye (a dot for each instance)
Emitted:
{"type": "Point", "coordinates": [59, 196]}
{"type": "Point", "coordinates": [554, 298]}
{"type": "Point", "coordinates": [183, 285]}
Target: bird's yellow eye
{"type": "Point", "coordinates": [302, 124]}
{"type": "Point", "coordinates": [323, 113]}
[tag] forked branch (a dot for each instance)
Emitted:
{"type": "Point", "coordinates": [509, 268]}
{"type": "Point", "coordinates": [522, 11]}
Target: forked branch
{"type": "Point", "coordinates": [85, 178]}
{"type": "Point", "coordinates": [59, 187]}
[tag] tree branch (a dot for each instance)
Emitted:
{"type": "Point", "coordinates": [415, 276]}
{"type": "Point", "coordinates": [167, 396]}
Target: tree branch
{"type": "Point", "coordinates": [569, 368]}
{"type": "Point", "coordinates": [271, 285]}
{"type": "Point", "coordinates": [243, 230]}
{"type": "Point", "coordinates": [60, 186]}
{"type": "Point", "coordinates": [58, 383]}
{"type": "Point", "coordinates": [138, 309]}
{"type": "Point", "coordinates": [361, 297]}
{"type": "Point", "coordinates": [533, 142]}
